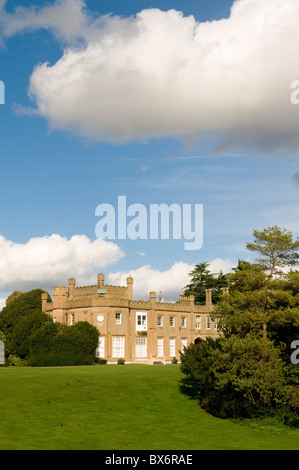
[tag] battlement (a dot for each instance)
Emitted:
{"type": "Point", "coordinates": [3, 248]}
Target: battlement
{"type": "Point", "coordinates": [102, 294]}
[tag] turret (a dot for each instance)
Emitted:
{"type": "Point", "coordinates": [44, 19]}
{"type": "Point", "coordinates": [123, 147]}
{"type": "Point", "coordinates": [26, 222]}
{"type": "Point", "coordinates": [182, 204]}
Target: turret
{"type": "Point", "coordinates": [130, 281]}
{"type": "Point", "coordinates": [72, 283]}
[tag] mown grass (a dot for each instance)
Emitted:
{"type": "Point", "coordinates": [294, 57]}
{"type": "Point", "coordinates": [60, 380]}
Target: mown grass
{"type": "Point", "coordinates": [117, 407]}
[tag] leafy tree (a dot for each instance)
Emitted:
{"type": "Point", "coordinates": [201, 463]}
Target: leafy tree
{"type": "Point", "coordinates": [13, 296]}
{"type": "Point", "coordinates": [17, 320]}
{"type": "Point", "coordinates": [25, 327]}
{"type": "Point", "coordinates": [23, 305]}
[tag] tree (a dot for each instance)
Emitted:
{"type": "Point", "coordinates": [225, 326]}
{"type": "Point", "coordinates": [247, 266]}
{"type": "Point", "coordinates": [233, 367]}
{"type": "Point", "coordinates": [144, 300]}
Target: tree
{"type": "Point", "coordinates": [25, 327]}
{"type": "Point", "coordinates": [277, 248]}
{"type": "Point", "coordinates": [13, 296]}
{"type": "Point", "coordinates": [202, 279]}
{"type": "Point", "coordinates": [17, 320]}
{"type": "Point", "coordinates": [250, 371]}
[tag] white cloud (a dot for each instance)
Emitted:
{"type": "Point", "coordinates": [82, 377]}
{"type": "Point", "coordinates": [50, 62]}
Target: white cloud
{"type": "Point", "coordinates": [162, 74]}
{"type": "Point", "coordinates": [47, 261]}
{"type": "Point", "coordinates": [66, 18]}
{"type": "Point", "coordinates": [2, 303]}
{"type": "Point", "coordinates": [170, 282]}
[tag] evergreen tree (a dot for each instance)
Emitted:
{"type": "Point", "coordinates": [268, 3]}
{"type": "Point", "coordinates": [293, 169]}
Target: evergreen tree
{"type": "Point", "coordinates": [202, 279]}
{"type": "Point", "coordinates": [250, 371]}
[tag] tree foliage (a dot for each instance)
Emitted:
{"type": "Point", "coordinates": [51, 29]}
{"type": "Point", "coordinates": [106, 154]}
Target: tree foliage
{"type": "Point", "coordinates": [31, 335]}
{"type": "Point", "coordinates": [248, 372]}
{"type": "Point", "coordinates": [56, 344]}
{"type": "Point", "coordinates": [276, 248]}
{"type": "Point", "coordinates": [201, 279]}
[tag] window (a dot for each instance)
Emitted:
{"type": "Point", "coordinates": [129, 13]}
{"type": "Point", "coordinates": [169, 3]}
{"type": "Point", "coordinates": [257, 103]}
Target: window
{"type": "Point", "coordinates": [72, 319]}
{"type": "Point", "coordinates": [172, 347]}
{"type": "Point", "coordinates": [118, 318]}
{"type": "Point", "coordinates": [141, 321]}
{"type": "Point", "coordinates": [198, 322]}
{"type": "Point", "coordinates": [140, 347]}
{"type": "Point", "coordinates": [160, 347]}
{"type": "Point", "coordinates": [100, 351]}
{"type": "Point", "coordinates": [118, 346]}
{"type": "Point", "coordinates": [216, 323]}
{"type": "Point", "coordinates": [183, 322]}
{"type": "Point", "coordinates": [183, 343]}
{"type": "Point", "coordinates": [171, 321]}
{"type": "Point", "coordinates": [208, 323]}
{"type": "Point", "coordinates": [160, 321]}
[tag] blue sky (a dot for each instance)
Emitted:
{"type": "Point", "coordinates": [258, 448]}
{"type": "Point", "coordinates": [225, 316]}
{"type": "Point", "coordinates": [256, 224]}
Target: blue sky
{"type": "Point", "coordinates": [54, 173]}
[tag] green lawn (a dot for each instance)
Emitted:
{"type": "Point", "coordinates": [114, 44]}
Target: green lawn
{"type": "Point", "coordinates": [116, 407]}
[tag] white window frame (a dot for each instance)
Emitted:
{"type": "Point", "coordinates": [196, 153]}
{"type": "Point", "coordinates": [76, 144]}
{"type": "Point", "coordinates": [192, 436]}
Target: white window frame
{"type": "Point", "coordinates": [118, 318]}
{"type": "Point", "coordinates": [100, 351]}
{"type": "Point", "coordinates": [160, 320]}
{"type": "Point", "coordinates": [208, 319]}
{"type": "Point", "coordinates": [118, 346]}
{"type": "Point", "coordinates": [160, 347]}
{"type": "Point", "coordinates": [72, 319]}
{"type": "Point", "coordinates": [198, 322]}
{"type": "Point", "coordinates": [173, 318]}
{"type": "Point", "coordinates": [183, 344]}
{"type": "Point", "coordinates": [183, 322]}
{"type": "Point", "coordinates": [141, 320]}
{"type": "Point", "coordinates": [172, 347]}
{"type": "Point", "coordinates": [140, 347]}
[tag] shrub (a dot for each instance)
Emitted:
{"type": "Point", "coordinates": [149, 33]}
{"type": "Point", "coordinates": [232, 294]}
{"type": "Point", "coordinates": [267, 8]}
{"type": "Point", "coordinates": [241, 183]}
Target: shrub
{"type": "Point", "coordinates": [60, 345]}
{"type": "Point", "coordinates": [120, 361]}
{"type": "Point", "coordinates": [101, 361]}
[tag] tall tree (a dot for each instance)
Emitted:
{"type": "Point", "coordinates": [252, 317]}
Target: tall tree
{"type": "Point", "coordinates": [276, 248]}
{"type": "Point", "coordinates": [202, 279]}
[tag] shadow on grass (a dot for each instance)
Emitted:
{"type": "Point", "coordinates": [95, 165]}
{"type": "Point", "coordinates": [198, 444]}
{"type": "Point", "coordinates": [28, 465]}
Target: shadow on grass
{"type": "Point", "coordinates": [186, 387]}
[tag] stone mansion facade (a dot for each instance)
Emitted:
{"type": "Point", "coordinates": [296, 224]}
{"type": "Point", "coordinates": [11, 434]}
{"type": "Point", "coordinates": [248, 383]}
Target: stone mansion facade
{"type": "Point", "coordinates": [136, 330]}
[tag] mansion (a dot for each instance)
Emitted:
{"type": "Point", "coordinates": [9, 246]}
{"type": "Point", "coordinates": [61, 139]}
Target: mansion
{"type": "Point", "coordinates": [139, 331]}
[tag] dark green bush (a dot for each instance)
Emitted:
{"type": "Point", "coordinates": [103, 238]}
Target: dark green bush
{"type": "Point", "coordinates": [58, 345]}
{"type": "Point", "coordinates": [101, 361]}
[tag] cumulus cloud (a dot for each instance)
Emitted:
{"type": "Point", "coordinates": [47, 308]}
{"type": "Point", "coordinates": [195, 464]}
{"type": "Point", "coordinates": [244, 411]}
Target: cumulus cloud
{"type": "Point", "coordinates": [51, 260]}
{"type": "Point", "coordinates": [170, 282]}
{"type": "Point", "coordinates": [44, 262]}
{"type": "Point", "coordinates": [67, 19]}
{"type": "Point", "coordinates": [160, 74]}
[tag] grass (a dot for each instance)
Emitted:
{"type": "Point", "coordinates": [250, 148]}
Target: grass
{"type": "Point", "coordinates": [113, 407]}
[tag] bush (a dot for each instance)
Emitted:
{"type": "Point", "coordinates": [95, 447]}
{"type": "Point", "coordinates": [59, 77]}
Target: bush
{"type": "Point", "coordinates": [120, 361]}
{"type": "Point", "coordinates": [60, 345]}
{"type": "Point", "coordinates": [101, 361]}
{"type": "Point", "coordinates": [235, 377]}
{"type": "Point", "coordinates": [14, 360]}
